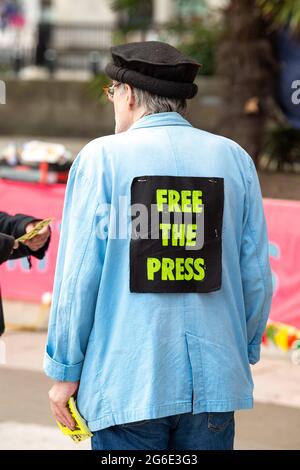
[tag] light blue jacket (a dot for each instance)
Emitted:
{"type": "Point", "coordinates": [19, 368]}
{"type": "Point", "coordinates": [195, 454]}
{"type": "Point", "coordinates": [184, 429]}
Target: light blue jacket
{"type": "Point", "coordinates": [147, 355]}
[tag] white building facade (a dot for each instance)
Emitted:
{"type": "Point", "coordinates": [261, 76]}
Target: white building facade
{"type": "Point", "coordinates": [100, 11]}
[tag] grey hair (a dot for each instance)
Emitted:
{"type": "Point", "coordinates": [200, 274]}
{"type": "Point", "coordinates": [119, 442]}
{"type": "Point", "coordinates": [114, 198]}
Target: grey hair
{"type": "Point", "coordinates": [158, 104]}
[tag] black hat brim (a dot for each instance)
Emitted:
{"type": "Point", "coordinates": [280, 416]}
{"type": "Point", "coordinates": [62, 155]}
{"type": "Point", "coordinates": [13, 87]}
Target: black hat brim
{"type": "Point", "coordinates": [165, 88]}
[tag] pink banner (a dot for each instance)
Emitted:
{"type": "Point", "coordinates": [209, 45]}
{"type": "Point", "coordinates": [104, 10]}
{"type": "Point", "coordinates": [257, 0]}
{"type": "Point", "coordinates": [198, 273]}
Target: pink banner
{"type": "Point", "coordinates": [283, 220]}
{"type": "Point", "coordinates": [42, 201]}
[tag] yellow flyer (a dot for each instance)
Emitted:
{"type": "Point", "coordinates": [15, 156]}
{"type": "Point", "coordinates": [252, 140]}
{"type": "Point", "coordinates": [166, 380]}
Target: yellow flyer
{"type": "Point", "coordinates": [81, 432]}
{"type": "Point", "coordinates": [30, 235]}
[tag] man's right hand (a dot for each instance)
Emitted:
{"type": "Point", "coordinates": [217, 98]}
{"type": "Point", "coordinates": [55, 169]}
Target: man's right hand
{"type": "Point", "coordinates": [59, 395]}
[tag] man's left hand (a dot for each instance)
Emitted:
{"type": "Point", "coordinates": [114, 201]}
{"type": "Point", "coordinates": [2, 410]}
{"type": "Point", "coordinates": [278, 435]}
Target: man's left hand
{"type": "Point", "coordinates": [39, 240]}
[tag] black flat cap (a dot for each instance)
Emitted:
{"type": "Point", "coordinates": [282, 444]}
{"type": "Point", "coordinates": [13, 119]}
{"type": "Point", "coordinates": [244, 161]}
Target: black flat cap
{"type": "Point", "coordinates": [156, 67]}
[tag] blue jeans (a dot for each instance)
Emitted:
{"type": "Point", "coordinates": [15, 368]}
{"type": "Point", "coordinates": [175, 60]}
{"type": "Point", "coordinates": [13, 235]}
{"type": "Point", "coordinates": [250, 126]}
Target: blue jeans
{"type": "Point", "coordinates": [203, 431]}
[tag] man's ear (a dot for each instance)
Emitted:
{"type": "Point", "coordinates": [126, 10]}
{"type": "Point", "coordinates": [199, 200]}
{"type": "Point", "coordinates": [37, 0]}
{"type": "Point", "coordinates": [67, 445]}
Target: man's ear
{"type": "Point", "coordinates": [130, 98]}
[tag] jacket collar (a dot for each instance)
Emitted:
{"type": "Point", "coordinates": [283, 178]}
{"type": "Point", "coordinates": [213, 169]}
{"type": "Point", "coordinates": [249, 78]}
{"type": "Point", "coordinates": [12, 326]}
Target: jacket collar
{"type": "Point", "coordinates": [160, 119]}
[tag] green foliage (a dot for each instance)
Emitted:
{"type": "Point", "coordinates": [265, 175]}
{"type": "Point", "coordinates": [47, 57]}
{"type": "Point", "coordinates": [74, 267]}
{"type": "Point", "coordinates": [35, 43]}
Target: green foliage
{"type": "Point", "coordinates": [282, 146]}
{"type": "Point", "coordinates": [134, 14]}
{"type": "Point", "coordinates": [125, 5]}
{"type": "Point", "coordinates": [119, 37]}
{"type": "Point", "coordinates": [199, 41]}
{"type": "Point", "coordinates": [95, 87]}
{"type": "Point", "coordinates": [282, 13]}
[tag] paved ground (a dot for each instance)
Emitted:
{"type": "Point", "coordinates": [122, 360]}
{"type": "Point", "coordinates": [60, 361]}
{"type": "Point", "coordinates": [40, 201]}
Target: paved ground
{"type": "Point", "coordinates": [26, 422]}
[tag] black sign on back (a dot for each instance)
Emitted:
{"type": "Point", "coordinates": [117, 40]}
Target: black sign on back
{"type": "Point", "coordinates": [176, 240]}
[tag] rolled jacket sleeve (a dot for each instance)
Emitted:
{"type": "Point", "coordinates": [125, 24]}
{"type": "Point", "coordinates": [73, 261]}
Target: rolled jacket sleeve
{"type": "Point", "coordinates": [78, 273]}
{"type": "Point", "coordinates": [61, 372]}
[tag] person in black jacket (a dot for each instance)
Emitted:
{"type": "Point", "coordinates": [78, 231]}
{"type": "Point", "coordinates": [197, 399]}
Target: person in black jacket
{"type": "Point", "coordinates": [11, 228]}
